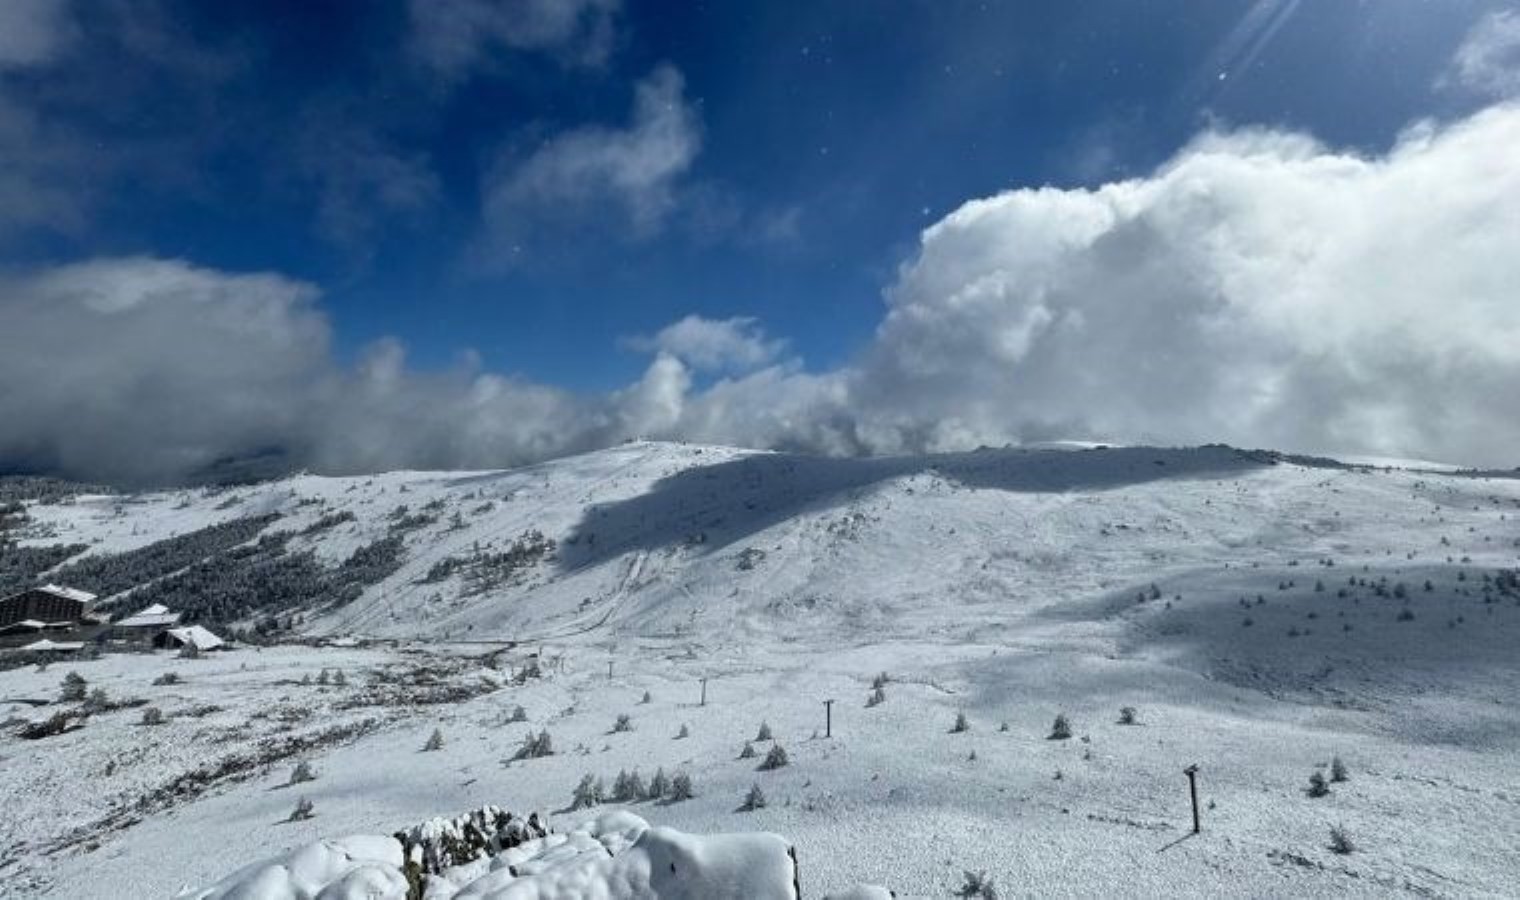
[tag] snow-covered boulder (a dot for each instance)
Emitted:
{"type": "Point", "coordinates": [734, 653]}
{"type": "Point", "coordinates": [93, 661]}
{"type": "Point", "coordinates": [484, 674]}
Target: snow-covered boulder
{"type": "Point", "coordinates": [358, 867]}
{"type": "Point", "coordinates": [613, 857]}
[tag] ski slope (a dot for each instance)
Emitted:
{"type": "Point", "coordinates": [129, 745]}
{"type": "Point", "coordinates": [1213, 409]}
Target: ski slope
{"type": "Point", "coordinates": [1261, 613]}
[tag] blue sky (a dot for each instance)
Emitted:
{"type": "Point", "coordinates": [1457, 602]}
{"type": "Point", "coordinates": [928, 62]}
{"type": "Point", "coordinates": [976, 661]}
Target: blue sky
{"type": "Point", "coordinates": [829, 135]}
{"type": "Point", "coordinates": [533, 189]}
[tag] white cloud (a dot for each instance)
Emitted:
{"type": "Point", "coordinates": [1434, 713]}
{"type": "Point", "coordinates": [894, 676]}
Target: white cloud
{"type": "Point", "coordinates": [1258, 289]}
{"type": "Point", "coordinates": [455, 36]}
{"type": "Point", "coordinates": [735, 345]}
{"type": "Point", "coordinates": [33, 31]}
{"type": "Point", "coordinates": [596, 175]}
{"type": "Point", "coordinates": [1488, 61]}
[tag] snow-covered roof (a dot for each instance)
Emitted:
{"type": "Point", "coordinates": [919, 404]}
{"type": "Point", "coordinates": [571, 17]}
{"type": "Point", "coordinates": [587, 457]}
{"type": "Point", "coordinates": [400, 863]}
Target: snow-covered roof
{"type": "Point", "coordinates": [46, 644]}
{"type": "Point", "coordinates": [196, 636]}
{"type": "Point", "coordinates": [68, 593]}
{"type": "Point", "coordinates": [25, 625]}
{"type": "Point", "coordinates": [155, 616]}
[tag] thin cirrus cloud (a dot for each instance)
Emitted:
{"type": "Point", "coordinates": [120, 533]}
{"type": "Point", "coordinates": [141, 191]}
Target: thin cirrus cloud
{"type": "Point", "coordinates": [455, 37]}
{"type": "Point", "coordinates": [1258, 288]}
{"type": "Point", "coordinates": [596, 175]}
{"type": "Point", "coordinates": [1488, 61]}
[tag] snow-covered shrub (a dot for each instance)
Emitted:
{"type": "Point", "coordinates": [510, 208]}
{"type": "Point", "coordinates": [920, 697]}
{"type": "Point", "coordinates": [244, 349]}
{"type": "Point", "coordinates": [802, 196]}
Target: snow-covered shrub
{"type": "Point", "coordinates": [1060, 730]}
{"type": "Point", "coordinates": [623, 723]}
{"type": "Point", "coordinates": [518, 714]}
{"type": "Point", "coordinates": [978, 885]}
{"type": "Point", "coordinates": [53, 725]}
{"type": "Point", "coordinates": [961, 723]}
{"type": "Point", "coordinates": [1340, 841]}
{"type": "Point", "coordinates": [774, 759]}
{"type": "Point", "coordinates": [684, 732]}
{"type": "Point", "coordinates": [1405, 615]}
{"type": "Point", "coordinates": [339, 678]}
{"type": "Point", "coordinates": [535, 746]}
{"type": "Point", "coordinates": [647, 698]}
{"type": "Point", "coordinates": [153, 716]}
{"type": "Point", "coordinates": [438, 844]}
{"type": "Point", "coordinates": [754, 800]}
{"type": "Point", "coordinates": [748, 752]}
{"type": "Point", "coordinates": [1003, 727]}
{"type": "Point", "coordinates": [1127, 716]}
{"type": "Point", "coordinates": [73, 689]}
{"type": "Point", "coordinates": [659, 785]}
{"type": "Point", "coordinates": [97, 701]}
{"type": "Point", "coordinates": [680, 788]}
{"type": "Point", "coordinates": [1318, 787]}
{"type": "Point", "coordinates": [302, 773]}
{"type": "Point", "coordinates": [189, 651]}
{"type": "Point", "coordinates": [764, 734]}
{"type": "Point", "coordinates": [877, 697]}
{"type": "Point", "coordinates": [1338, 771]}
{"type": "Point", "coordinates": [880, 681]}
{"type": "Point", "coordinates": [323, 676]}
{"type": "Point", "coordinates": [434, 741]}
{"type": "Point", "coordinates": [165, 679]}
{"type": "Point", "coordinates": [588, 793]}
{"type": "Point", "coordinates": [303, 810]}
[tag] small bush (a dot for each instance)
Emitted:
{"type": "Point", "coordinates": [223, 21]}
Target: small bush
{"type": "Point", "coordinates": [659, 785]}
{"type": "Point", "coordinates": [518, 714]}
{"type": "Point", "coordinates": [322, 677]}
{"type": "Point", "coordinates": [1338, 771]}
{"type": "Point", "coordinates": [623, 723]}
{"type": "Point", "coordinates": [1318, 787]}
{"type": "Point", "coordinates": [1003, 727]}
{"type": "Point", "coordinates": [748, 752]}
{"type": "Point", "coordinates": [1405, 615]}
{"type": "Point", "coordinates": [1060, 730]}
{"type": "Point", "coordinates": [647, 698]}
{"type": "Point", "coordinates": [774, 759]}
{"type": "Point", "coordinates": [754, 800]}
{"type": "Point", "coordinates": [97, 701]}
{"type": "Point", "coordinates": [535, 746]}
{"type": "Point", "coordinates": [166, 679]}
{"type": "Point", "coordinates": [435, 741]}
{"type": "Point", "coordinates": [588, 793]}
{"type": "Point", "coordinates": [302, 773]}
{"type": "Point", "coordinates": [53, 725]}
{"type": "Point", "coordinates": [1127, 716]}
{"type": "Point", "coordinates": [764, 734]}
{"type": "Point", "coordinates": [153, 716]}
{"type": "Point", "coordinates": [189, 651]}
{"type": "Point", "coordinates": [303, 810]}
{"type": "Point", "coordinates": [961, 723]}
{"type": "Point", "coordinates": [880, 681]}
{"type": "Point", "coordinates": [680, 788]}
{"type": "Point", "coordinates": [73, 689]}
{"type": "Point", "coordinates": [339, 678]}
{"type": "Point", "coordinates": [876, 698]}
{"type": "Point", "coordinates": [684, 732]}
{"type": "Point", "coordinates": [1340, 841]}
{"type": "Point", "coordinates": [978, 885]}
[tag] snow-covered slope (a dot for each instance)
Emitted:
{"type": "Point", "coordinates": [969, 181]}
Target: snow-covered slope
{"type": "Point", "coordinates": [1262, 614]}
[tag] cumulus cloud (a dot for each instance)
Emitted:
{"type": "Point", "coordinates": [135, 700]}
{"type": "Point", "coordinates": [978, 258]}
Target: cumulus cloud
{"type": "Point", "coordinates": [1259, 288]}
{"type": "Point", "coordinates": [1488, 61]}
{"type": "Point", "coordinates": [455, 36]}
{"type": "Point", "coordinates": [735, 345]}
{"type": "Point", "coordinates": [590, 175]}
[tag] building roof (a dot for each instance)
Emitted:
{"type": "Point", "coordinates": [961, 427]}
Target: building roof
{"type": "Point", "coordinates": [196, 636]}
{"type": "Point", "coordinates": [46, 644]}
{"type": "Point", "coordinates": [161, 620]}
{"type": "Point", "coordinates": [24, 625]}
{"type": "Point", "coordinates": [68, 593]}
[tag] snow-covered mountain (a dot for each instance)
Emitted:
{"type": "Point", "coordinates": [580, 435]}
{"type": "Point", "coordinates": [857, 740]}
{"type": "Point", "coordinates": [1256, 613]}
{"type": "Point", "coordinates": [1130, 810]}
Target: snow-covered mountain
{"type": "Point", "coordinates": [1263, 613]}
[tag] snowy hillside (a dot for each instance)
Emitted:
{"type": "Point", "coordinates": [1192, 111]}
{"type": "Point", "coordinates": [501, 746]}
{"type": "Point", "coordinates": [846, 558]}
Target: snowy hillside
{"type": "Point", "coordinates": [1260, 614]}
